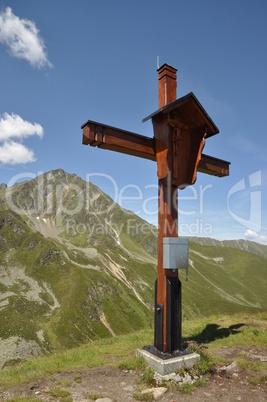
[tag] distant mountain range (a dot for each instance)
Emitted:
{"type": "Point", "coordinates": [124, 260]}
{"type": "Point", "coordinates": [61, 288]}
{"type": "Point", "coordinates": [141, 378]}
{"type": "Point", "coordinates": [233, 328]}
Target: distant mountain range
{"type": "Point", "coordinates": [75, 267]}
{"type": "Point", "coordinates": [244, 245]}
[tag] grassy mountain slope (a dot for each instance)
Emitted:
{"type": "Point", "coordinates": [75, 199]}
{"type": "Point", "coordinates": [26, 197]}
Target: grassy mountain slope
{"type": "Point", "coordinates": [75, 267]}
{"type": "Point", "coordinates": [223, 280]}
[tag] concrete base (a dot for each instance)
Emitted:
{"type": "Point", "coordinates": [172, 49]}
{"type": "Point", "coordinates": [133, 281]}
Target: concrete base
{"type": "Point", "coordinates": [171, 365]}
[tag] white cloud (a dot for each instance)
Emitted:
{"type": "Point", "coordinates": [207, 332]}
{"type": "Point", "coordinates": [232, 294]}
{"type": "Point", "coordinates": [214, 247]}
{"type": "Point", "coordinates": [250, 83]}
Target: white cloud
{"type": "Point", "coordinates": [13, 126]}
{"type": "Point", "coordinates": [22, 38]}
{"type": "Point", "coordinates": [14, 153]}
{"type": "Point", "coordinates": [251, 235]}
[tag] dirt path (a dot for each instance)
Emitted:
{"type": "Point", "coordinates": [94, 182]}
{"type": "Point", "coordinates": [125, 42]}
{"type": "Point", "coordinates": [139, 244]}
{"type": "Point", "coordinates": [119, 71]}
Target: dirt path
{"type": "Point", "coordinates": [120, 385]}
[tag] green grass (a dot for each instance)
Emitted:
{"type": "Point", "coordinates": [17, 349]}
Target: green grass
{"type": "Point", "coordinates": [148, 377]}
{"type": "Point", "coordinates": [251, 366]}
{"type": "Point", "coordinates": [143, 397]}
{"type": "Point", "coordinates": [186, 388]}
{"type": "Point", "coordinates": [58, 393]}
{"type": "Point", "coordinates": [78, 379]}
{"type": "Point", "coordinates": [65, 382]}
{"type": "Point", "coordinates": [95, 354]}
{"type": "Point", "coordinates": [258, 380]}
{"type": "Point", "coordinates": [202, 382]}
{"type": "Point", "coordinates": [94, 396]}
{"type": "Point", "coordinates": [122, 349]}
{"type": "Point", "coordinates": [23, 399]}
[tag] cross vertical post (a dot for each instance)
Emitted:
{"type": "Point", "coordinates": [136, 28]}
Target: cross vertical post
{"type": "Point", "coordinates": [167, 334]}
{"type": "Point", "coordinates": [168, 287]}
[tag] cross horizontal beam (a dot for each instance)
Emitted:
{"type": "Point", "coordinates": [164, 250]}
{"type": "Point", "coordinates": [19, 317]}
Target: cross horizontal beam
{"type": "Point", "coordinates": [114, 139]}
{"type": "Point", "coordinates": [213, 166]}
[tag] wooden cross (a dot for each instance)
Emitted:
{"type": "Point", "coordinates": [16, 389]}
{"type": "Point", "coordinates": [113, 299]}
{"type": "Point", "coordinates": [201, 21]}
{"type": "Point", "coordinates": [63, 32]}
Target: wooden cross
{"type": "Point", "coordinates": [181, 127]}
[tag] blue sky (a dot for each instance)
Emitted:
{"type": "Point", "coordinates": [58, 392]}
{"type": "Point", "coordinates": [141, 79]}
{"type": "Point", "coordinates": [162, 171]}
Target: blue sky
{"type": "Point", "coordinates": [63, 62]}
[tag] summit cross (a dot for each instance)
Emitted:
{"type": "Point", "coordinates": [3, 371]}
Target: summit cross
{"type": "Point", "coordinates": [181, 127]}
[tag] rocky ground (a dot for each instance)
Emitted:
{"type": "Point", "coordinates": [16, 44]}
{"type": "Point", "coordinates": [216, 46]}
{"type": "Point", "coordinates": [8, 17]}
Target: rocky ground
{"type": "Point", "coordinates": [109, 384]}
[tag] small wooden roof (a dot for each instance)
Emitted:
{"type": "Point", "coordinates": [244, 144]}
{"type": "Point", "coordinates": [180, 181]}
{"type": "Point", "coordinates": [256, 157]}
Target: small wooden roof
{"type": "Point", "coordinates": [190, 111]}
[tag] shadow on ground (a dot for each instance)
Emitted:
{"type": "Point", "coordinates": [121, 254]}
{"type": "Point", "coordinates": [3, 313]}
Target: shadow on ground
{"type": "Point", "coordinates": [213, 332]}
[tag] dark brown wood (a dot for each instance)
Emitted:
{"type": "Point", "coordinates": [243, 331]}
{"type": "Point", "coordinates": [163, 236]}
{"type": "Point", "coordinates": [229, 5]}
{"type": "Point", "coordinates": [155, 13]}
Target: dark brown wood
{"type": "Point", "coordinates": [168, 197]}
{"type": "Point", "coordinates": [113, 139]}
{"type": "Point", "coordinates": [167, 227]}
{"type": "Point", "coordinates": [213, 166]}
{"type": "Point", "coordinates": [187, 111]}
{"type": "Point", "coordinates": [167, 83]}
{"type": "Point", "coordinates": [178, 150]}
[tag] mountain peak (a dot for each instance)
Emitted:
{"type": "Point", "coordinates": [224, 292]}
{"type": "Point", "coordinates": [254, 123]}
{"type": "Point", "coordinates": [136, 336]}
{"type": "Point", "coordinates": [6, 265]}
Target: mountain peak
{"type": "Point", "coordinates": [58, 173]}
{"type": "Point", "coordinates": [3, 186]}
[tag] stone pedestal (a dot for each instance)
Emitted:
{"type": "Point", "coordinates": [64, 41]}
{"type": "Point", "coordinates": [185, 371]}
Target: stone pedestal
{"type": "Point", "coordinates": [168, 365]}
